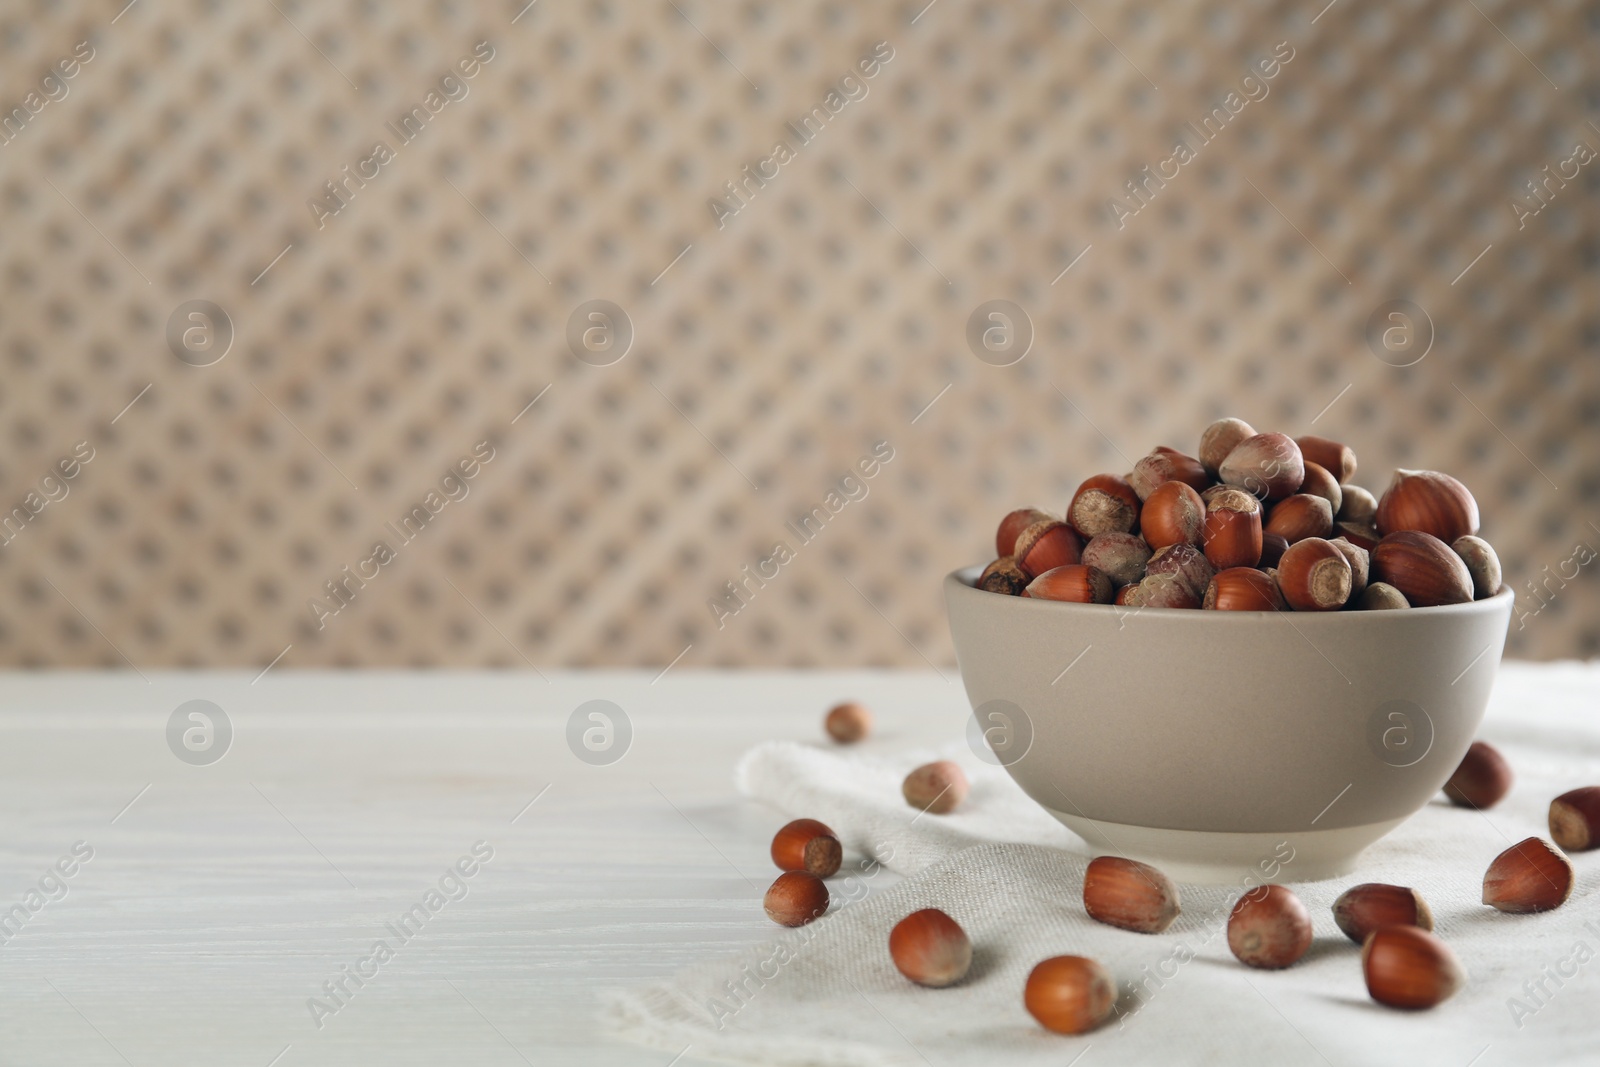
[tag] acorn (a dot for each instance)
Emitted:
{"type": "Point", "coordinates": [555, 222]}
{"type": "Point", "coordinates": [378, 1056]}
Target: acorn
{"type": "Point", "coordinates": [1005, 538]}
{"type": "Point", "coordinates": [1314, 576]}
{"type": "Point", "coordinates": [1046, 544]}
{"type": "Point", "coordinates": [1364, 908]}
{"type": "Point", "coordinates": [1076, 582]}
{"type": "Point", "coordinates": [1429, 502]}
{"type": "Point", "coordinates": [1128, 894]}
{"type": "Point", "coordinates": [1575, 819]}
{"type": "Point", "coordinates": [1424, 568]}
{"type": "Point", "coordinates": [1530, 876]}
{"type": "Point", "coordinates": [1269, 465]}
{"type": "Point", "coordinates": [1482, 778]}
{"type": "Point", "coordinates": [1243, 589]}
{"type": "Point", "coordinates": [1407, 967]}
{"type": "Point", "coordinates": [1105, 503]}
{"type": "Point", "coordinates": [1300, 516]}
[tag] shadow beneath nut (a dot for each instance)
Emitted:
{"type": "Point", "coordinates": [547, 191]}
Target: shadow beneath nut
{"type": "Point", "coordinates": [1324, 947]}
{"type": "Point", "coordinates": [1321, 948]}
{"type": "Point", "coordinates": [1360, 1003]}
{"type": "Point", "coordinates": [985, 960]}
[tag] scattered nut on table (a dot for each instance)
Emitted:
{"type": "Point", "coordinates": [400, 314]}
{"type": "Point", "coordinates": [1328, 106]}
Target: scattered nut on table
{"type": "Point", "coordinates": [937, 788]}
{"type": "Point", "coordinates": [930, 948]}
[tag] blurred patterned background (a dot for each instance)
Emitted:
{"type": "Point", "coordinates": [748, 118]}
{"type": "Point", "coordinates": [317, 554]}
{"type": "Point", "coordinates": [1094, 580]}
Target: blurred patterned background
{"type": "Point", "coordinates": [258, 341]}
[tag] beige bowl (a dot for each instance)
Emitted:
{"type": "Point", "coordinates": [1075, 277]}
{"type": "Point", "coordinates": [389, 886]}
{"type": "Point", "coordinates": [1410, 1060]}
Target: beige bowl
{"type": "Point", "coordinates": [1223, 745]}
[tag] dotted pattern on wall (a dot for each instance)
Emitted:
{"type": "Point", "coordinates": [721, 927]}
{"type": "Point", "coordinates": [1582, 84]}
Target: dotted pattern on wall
{"type": "Point", "coordinates": [384, 316]}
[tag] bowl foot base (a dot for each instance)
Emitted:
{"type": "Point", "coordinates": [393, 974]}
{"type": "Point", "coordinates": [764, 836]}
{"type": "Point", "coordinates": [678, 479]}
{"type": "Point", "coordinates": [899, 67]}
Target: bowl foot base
{"type": "Point", "coordinates": [1217, 858]}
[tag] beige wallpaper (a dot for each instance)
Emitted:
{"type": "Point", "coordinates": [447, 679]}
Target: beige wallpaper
{"type": "Point", "coordinates": [385, 334]}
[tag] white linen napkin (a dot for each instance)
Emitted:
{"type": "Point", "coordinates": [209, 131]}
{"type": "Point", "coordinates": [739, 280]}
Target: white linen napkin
{"type": "Point", "coordinates": [828, 994]}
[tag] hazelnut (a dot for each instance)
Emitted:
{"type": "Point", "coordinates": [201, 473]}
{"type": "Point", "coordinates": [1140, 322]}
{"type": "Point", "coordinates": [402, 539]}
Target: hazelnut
{"type": "Point", "coordinates": [1076, 582]}
{"type": "Point", "coordinates": [1069, 994]}
{"type": "Point", "coordinates": [1356, 505]}
{"type": "Point", "coordinates": [796, 898]}
{"type": "Point", "coordinates": [1005, 538]}
{"type": "Point", "coordinates": [1105, 503]}
{"type": "Point", "coordinates": [1575, 819]}
{"type": "Point", "coordinates": [1300, 516]}
{"type": "Point", "coordinates": [937, 787]}
{"type": "Point", "coordinates": [1220, 438]}
{"type": "Point", "coordinates": [1126, 596]}
{"type": "Point", "coordinates": [1269, 928]}
{"type": "Point", "coordinates": [1333, 457]}
{"type": "Point", "coordinates": [1120, 556]}
{"type": "Point", "coordinates": [1164, 591]}
{"type": "Point", "coordinates": [1046, 544]}
{"type": "Point", "coordinates": [849, 722]}
{"type": "Point", "coordinates": [1273, 547]}
{"type": "Point", "coordinates": [1185, 561]}
{"type": "Point", "coordinates": [1268, 465]}
{"type": "Point", "coordinates": [1173, 514]}
{"type": "Point", "coordinates": [1430, 502]}
{"type": "Point", "coordinates": [1166, 465]}
{"type": "Point", "coordinates": [1232, 538]}
{"type": "Point", "coordinates": [1320, 483]}
{"type": "Point", "coordinates": [1243, 589]}
{"type": "Point", "coordinates": [1381, 596]}
{"type": "Point", "coordinates": [1314, 576]}
{"type": "Point", "coordinates": [1482, 564]}
{"type": "Point", "coordinates": [1407, 967]}
{"type": "Point", "coordinates": [1481, 780]}
{"type": "Point", "coordinates": [1003, 576]}
{"type": "Point", "coordinates": [1530, 876]}
{"type": "Point", "coordinates": [1364, 908]}
{"type": "Point", "coordinates": [1361, 534]}
{"type": "Point", "coordinates": [1231, 497]}
{"type": "Point", "coordinates": [1130, 895]}
{"type": "Point", "coordinates": [930, 948]}
{"type": "Point", "coordinates": [1422, 567]}
{"type": "Point", "coordinates": [807, 845]}
{"type": "Point", "coordinates": [1360, 561]}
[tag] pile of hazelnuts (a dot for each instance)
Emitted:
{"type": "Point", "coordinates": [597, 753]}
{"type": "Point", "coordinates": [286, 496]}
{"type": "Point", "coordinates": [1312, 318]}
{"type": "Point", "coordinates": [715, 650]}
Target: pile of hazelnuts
{"type": "Point", "coordinates": [1258, 522]}
{"type": "Point", "coordinates": [1405, 965]}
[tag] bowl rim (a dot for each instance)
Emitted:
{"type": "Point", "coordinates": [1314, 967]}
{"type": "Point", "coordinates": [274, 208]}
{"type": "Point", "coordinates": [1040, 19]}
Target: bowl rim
{"type": "Point", "coordinates": [967, 577]}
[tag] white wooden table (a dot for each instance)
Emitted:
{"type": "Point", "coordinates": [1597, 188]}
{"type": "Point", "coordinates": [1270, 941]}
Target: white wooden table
{"type": "Point", "coordinates": [220, 898]}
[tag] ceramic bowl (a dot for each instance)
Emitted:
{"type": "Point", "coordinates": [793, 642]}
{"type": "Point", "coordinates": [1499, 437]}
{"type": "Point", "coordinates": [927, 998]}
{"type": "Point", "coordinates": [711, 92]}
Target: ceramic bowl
{"type": "Point", "coordinates": [1217, 745]}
